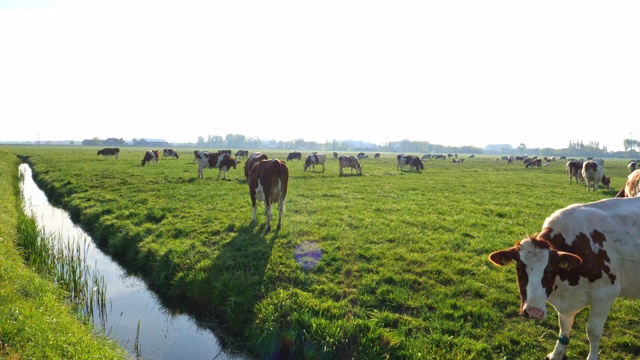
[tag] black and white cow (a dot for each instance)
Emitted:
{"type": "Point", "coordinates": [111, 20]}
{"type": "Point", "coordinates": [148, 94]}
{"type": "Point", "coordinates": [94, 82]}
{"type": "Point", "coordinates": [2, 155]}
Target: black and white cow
{"type": "Point", "coordinates": [413, 162]}
{"type": "Point", "coordinates": [313, 160]}
{"type": "Point", "coordinates": [169, 153]}
{"type": "Point", "coordinates": [222, 161]}
{"type": "Point", "coordinates": [109, 151]}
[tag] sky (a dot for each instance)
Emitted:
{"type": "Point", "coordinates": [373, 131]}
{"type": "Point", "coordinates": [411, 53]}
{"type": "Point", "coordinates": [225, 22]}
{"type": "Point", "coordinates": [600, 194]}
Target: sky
{"type": "Point", "coordinates": [456, 73]}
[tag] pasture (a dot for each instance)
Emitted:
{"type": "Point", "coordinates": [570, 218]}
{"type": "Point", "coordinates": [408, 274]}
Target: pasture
{"type": "Point", "coordinates": [392, 263]}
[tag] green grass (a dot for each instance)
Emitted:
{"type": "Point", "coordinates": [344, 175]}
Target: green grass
{"type": "Point", "coordinates": [403, 273]}
{"type": "Point", "coordinates": [36, 320]}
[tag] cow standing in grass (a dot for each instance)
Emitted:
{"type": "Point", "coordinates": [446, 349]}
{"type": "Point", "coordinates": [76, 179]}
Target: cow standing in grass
{"type": "Point", "coordinates": [313, 160]}
{"type": "Point", "coordinates": [222, 161]}
{"type": "Point", "coordinates": [268, 182]}
{"type": "Point", "coordinates": [351, 162]}
{"type": "Point", "coordinates": [109, 151]}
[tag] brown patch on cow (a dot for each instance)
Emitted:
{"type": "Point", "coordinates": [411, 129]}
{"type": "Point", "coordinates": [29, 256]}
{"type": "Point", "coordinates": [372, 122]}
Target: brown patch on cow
{"type": "Point", "coordinates": [581, 246]}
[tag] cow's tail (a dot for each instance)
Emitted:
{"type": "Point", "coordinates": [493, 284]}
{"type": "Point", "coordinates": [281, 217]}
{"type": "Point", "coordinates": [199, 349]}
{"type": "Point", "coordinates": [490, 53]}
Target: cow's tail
{"type": "Point", "coordinates": [283, 175]}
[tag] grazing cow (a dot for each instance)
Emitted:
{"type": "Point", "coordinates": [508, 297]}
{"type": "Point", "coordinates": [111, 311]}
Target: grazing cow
{"type": "Point", "coordinates": [632, 187]}
{"type": "Point", "coordinates": [585, 255]}
{"type": "Point", "coordinates": [109, 151]}
{"type": "Point", "coordinates": [593, 173]}
{"type": "Point", "coordinates": [411, 161]}
{"type": "Point", "coordinates": [351, 162]}
{"type": "Point", "coordinates": [362, 156]}
{"type": "Point", "coordinates": [149, 156]}
{"type": "Point", "coordinates": [313, 160]}
{"type": "Point", "coordinates": [252, 161]}
{"type": "Point", "coordinates": [574, 169]}
{"type": "Point", "coordinates": [294, 155]}
{"type": "Point", "coordinates": [376, 156]}
{"type": "Point", "coordinates": [171, 153]}
{"type": "Point", "coordinates": [268, 181]}
{"type": "Point", "coordinates": [533, 162]}
{"type": "Point", "coordinates": [222, 161]}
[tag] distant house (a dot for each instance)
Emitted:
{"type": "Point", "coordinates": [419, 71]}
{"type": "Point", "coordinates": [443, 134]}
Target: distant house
{"type": "Point", "coordinates": [157, 143]}
{"type": "Point", "coordinates": [91, 142]}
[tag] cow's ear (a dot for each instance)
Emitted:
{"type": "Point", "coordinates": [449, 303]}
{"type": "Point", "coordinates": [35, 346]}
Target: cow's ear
{"type": "Point", "coordinates": [567, 261]}
{"type": "Point", "coordinates": [503, 257]}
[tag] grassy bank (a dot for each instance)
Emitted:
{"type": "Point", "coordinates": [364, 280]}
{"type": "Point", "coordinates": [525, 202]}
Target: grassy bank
{"type": "Point", "coordinates": [402, 268]}
{"type": "Point", "coordinates": [36, 321]}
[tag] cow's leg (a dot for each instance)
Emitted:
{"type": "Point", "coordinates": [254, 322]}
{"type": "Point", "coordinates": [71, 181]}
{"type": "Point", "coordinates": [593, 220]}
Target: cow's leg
{"type": "Point", "coordinates": [254, 204]}
{"type": "Point", "coordinates": [560, 351]}
{"type": "Point", "coordinates": [322, 167]}
{"type": "Point", "coordinates": [598, 314]}
{"type": "Point", "coordinates": [200, 173]}
{"type": "Point", "coordinates": [280, 213]}
{"type": "Point", "coordinates": [267, 211]}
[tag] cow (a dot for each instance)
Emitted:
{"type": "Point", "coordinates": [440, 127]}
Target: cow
{"type": "Point", "coordinates": [222, 161]}
{"type": "Point", "coordinates": [632, 187]}
{"type": "Point", "coordinates": [376, 156]}
{"type": "Point", "coordinates": [632, 165]}
{"type": "Point", "coordinates": [411, 161]}
{"type": "Point", "coordinates": [169, 153]}
{"type": "Point", "coordinates": [362, 156]}
{"type": "Point", "coordinates": [313, 160]}
{"type": "Point", "coordinates": [294, 155]}
{"type": "Point", "coordinates": [533, 162]}
{"type": "Point", "coordinates": [252, 161]}
{"type": "Point", "coordinates": [197, 154]}
{"type": "Point", "coordinates": [109, 151]}
{"type": "Point", "coordinates": [228, 152]}
{"type": "Point", "coordinates": [574, 169]}
{"type": "Point", "coordinates": [149, 156]}
{"type": "Point", "coordinates": [335, 155]}
{"type": "Point", "coordinates": [350, 161]}
{"type": "Point", "coordinates": [242, 153]}
{"type": "Point", "coordinates": [585, 255]}
{"type": "Point", "coordinates": [268, 182]}
{"type": "Point", "coordinates": [593, 173]}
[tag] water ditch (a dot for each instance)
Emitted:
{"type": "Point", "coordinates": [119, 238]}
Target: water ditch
{"type": "Point", "coordinates": [133, 315]}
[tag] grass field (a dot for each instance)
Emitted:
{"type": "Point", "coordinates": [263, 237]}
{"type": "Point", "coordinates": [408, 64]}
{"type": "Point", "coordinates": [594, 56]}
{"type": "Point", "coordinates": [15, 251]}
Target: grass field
{"type": "Point", "coordinates": [402, 269]}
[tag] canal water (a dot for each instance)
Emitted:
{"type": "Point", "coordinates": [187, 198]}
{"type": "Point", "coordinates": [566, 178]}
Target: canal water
{"type": "Point", "coordinates": [133, 312]}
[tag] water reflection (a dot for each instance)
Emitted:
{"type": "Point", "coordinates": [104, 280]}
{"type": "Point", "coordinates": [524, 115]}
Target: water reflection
{"type": "Point", "coordinates": [128, 300]}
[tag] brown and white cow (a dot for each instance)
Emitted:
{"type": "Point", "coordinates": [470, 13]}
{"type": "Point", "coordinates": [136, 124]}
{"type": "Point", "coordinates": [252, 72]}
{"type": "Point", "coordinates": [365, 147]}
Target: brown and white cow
{"type": "Point", "coordinates": [252, 161]}
{"type": "Point", "coordinates": [593, 173]}
{"type": "Point", "coordinates": [109, 151]}
{"type": "Point", "coordinates": [351, 162]}
{"type": "Point", "coordinates": [169, 153]}
{"type": "Point", "coordinates": [313, 160]}
{"type": "Point", "coordinates": [268, 182]}
{"type": "Point", "coordinates": [411, 161]}
{"type": "Point", "coordinates": [149, 156]}
{"type": "Point", "coordinates": [632, 187]}
{"type": "Point", "coordinates": [585, 255]}
{"type": "Point", "coordinates": [222, 161]}
{"type": "Point", "coordinates": [574, 170]}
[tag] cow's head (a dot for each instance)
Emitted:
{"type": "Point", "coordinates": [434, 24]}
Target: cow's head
{"type": "Point", "coordinates": [537, 265]}
{"type": "Point", "coordinates": [606, 180]}
{"type": "Point", "coordinates": [307, 163]}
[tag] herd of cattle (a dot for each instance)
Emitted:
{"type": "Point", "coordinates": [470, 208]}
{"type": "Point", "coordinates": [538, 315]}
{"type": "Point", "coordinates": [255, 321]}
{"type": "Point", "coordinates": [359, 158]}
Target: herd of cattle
{"type": "Point", "coordinates": [584, 255]}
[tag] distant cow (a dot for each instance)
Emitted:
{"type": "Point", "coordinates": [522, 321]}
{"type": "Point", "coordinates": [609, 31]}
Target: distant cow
{"type": "Point", "coordinates": [362, 156]}
{"type": "Point", "coordinates": [228, 152]}
{"type": "Point", "coordinates": [335, 155]}
{"type": "Point", "coordinates": [109, 151]}
{"type": "Point", "coordinates": [294, 155]}
{"type": "Point", "coordinates": [252, 161]}
{"type": "Point", "coordinates": [313, 160]}
{"type": "Point", "coordinates": [376, 156]}
{"type": "Point", "coordinates": [593, 173]}
{"type": "Point", "coordinates": [268, 182]}
{"type": "Point", "coordinates": [632, 165]}
{"type": "Point", "coordinates": [169, 153]}
{"type": "Point", "coordinates": [574, 170]}
{"type": "Point", "coordinates": [149, 156]}
{"type": "Point", "coordinates": [413, 162]}
{"type": "Point", "coordinates": [222, 161]}
{"type": "Point", "coordinates": [351, 162]}
{"type": "Point", "coordinates": [632, 187]}
{"type": "Point", "coordinates": [533, 162]}
{"type": "Point", "coordinates": [585, 255]}
{"type": "Point", "coordinates": [242, 153]}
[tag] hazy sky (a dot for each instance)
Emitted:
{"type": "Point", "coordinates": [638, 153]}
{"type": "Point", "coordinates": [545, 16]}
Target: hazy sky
{"type": "Point", "coordinates": [542, 73]}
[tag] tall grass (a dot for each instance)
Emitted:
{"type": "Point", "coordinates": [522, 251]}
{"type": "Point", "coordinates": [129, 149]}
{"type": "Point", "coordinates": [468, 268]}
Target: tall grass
{"type": "Point", "coordinates": [65, 263]}
{"type": "Point", "coordinates": [390, 264]}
